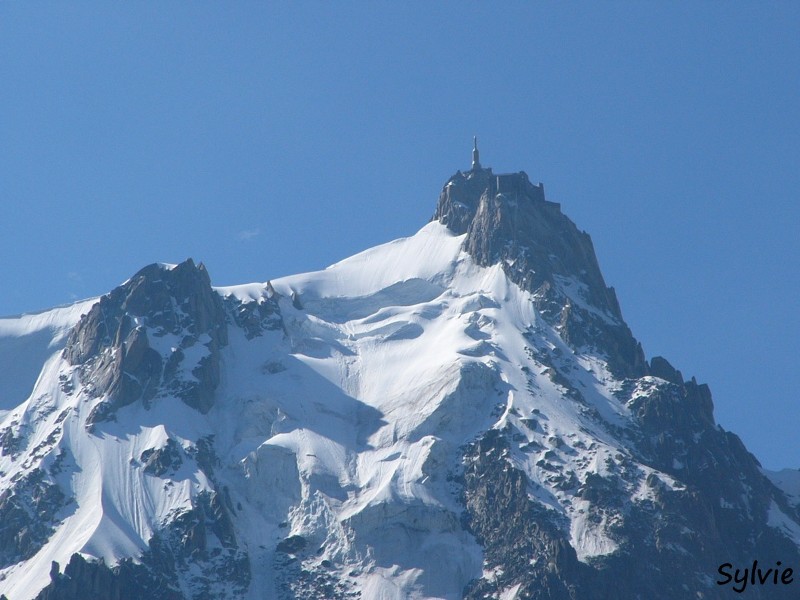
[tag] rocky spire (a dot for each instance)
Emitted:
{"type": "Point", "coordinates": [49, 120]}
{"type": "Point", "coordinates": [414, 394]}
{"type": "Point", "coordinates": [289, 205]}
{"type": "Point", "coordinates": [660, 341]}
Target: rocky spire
{"type": "Point", "coordinates": [509, 222]}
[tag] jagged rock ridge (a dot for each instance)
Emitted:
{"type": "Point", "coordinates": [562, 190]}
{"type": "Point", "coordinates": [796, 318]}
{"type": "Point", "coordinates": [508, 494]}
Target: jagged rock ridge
{"type": "Point", "coordinates": [113, 343]}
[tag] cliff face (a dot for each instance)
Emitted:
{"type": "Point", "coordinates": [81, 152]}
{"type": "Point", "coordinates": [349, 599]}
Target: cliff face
{"type": "Point", "coordinates": [133, 344]}
{"type": "Point", "coordinates": [509, 222]}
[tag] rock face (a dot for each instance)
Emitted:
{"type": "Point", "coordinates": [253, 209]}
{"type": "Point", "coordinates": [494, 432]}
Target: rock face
{"type": "Point", "coordinates": [523, 547]}
{"type": "Point", "coordinates": [668, 546]}
{"type": "Point", "coordinates": [158, 461]}
{"type": "Point", "coordinates": [158, 336]}
{"type": "Point", "coordinates": [161, 331]}
{"type": "Point", "coordinates": [28, 514]}
{"type": "Point", "coordinates": [509, 222]}
{"type": "Point", "coordinates": [93, 580]}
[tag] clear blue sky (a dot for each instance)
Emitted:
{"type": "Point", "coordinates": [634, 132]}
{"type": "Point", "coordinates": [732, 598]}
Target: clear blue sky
{"type": "Point", "coordinates": [267, 139]}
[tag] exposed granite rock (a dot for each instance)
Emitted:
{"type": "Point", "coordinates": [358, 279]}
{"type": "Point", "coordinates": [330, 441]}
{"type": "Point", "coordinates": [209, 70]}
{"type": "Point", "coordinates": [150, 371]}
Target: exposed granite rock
{"type": "Point", "coordinates": [669, 546]}
{"type": "Point", "coordinates": [509, 222]}
{"type": "Point", "coordinates": [460, 196]}
{"type": "Point", "coordinates": [10, 444]}
{"type": "Point", "coordinates": [507, 218]}
{"type": "Point", "coordinates": [134, 343]}
{"type": "Point", "coordinates": [159, 461]}
{"type": "Point", "coordinates": [301, 577]}
{"type": "Point", "coordinates": [681, 438]}
{"type": "Point", "coordinates": [192, 529]}
{"type": "Point", "coordinates": [660, 367]}
{"type": "Point", "coordinates": [684, 408]}
{"type": "Point", "coordinates": [257, 316]}
{"type": "Point", "coordinates": [93, 580]}
{"type": "Point", "coordinates": [720, 515]}
{"type": "Point", "coordinates": [201, 545]}
{"type": "Point", "coordinates": [28, 512]}
{"type": "Point", "coordinates": [205, 456]}
{"type": "Point", "coordinates": [522, 544]}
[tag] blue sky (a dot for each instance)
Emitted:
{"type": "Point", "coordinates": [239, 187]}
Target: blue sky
{"type": "Point", "coordinates": [267, 139]}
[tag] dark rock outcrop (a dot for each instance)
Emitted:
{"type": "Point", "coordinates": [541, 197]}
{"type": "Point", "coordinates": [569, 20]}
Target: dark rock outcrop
{"type": "Point", "coordinates": [660, 367]}
{"type": "Point", "coordinates": [159, 461]}
{"type": "Point", "coordinates": [94, 580]}
{"type": "Point", "coordinates": [522, 543]}
{"type": "Point", "coordinates": [134, 343]}
{"type": "Point", "coordinates": [28, 512]}
{"type": "Point", "coordinates": [10, 443]}
{"type": "Point", "coordinates": [299, 576]}
{"type": "Point", "coordinates": [258, 316]}
{"type": "Point", "coordinates": [669, 546]}
{"type": "Point", "coordinates": [509, 222]}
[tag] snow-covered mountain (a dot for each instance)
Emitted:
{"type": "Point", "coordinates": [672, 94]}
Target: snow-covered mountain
{"type": "Point", "coordinates": [460, 413]}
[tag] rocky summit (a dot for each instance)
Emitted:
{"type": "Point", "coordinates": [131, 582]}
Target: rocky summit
{"type": "Point", "coordinates": [462, 413]}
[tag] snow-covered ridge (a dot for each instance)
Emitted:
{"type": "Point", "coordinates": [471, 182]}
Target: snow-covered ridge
{"type": "Point", "coordinates": [26, 341]}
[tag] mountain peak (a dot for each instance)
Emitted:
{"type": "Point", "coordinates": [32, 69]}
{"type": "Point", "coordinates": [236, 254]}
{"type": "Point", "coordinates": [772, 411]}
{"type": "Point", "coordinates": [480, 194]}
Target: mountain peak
{"type": "Point", "coordinates": [136, 338]}
{"type": "Point", "coordinates": [508, 221]}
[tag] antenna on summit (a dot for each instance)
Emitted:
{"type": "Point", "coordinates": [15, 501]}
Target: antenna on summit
{"type": "Point", "coordinates": [476, 163]}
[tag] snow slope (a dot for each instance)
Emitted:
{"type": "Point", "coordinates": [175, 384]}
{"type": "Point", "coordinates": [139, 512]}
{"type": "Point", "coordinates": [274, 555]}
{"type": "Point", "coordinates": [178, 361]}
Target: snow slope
{"type": "Point", "coordinates": [26, 341]}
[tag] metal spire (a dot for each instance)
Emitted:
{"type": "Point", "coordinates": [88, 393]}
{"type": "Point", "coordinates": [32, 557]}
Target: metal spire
{"type": "Point", "coordinates": [476, 163]}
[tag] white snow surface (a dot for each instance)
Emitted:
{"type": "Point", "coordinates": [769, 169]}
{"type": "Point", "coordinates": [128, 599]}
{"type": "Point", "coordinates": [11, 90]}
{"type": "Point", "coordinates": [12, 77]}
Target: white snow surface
{"type": "Point", "coordinates": [782, 522]}
{"type": "Point", "coordinates": [26, 342]}
{"type": "Point", "coordinates": [341, 428]}
{"type": "Point", "coordinates": [788, 481]}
